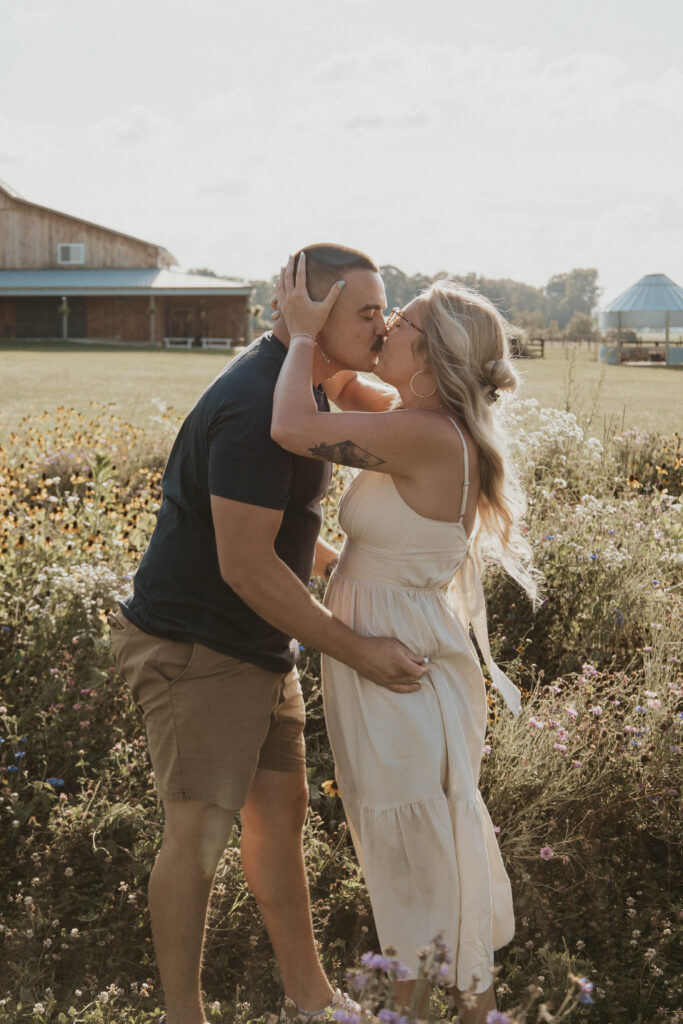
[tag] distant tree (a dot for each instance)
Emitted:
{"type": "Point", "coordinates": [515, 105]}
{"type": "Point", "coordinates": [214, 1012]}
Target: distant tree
{"type": "Point", "coordinates": [533, 322]}
{"type": "Point", "coordinates": [399, 287]}
{"type": "Point", "coordinates": [203, 272]}
{"type": "Point", "coordinates": [575, 292]}
{"type": "Point", "coordinates": [261, 296]}
{"type": "Point", "coordinates": [533, 309]}
{"type": "Point", "coordinates": [581, 326]}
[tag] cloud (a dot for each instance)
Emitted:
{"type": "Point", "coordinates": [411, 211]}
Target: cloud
{"type": "Point", "coordinates": [24, 18]}
{"type": "Point", "coordinates": [139, 125]}
{"type": "Point", "coordinates": [21, 142]}
{"type": "Point", "coordinates": [378, 83]}
{"type": "Point", "coordinates": [228, 189]}
{"type": "Point", "coordinates": [423, 117]}
{"type": "Point", "coordinates": [236, 102]}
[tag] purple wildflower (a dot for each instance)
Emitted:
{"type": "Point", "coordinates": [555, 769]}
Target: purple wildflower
{"type": "Point", "coordinates": [496, 1017]}
{"type": "Point", "coordinates": [585, 989]}
{"type": "Point", "coordinates": [391, 1017]}
{"type": "Point", "coordinates": [345, 1016]}
{"type": "Point", "coordinates": [547, 852]}
{"type": "Point", "coordinates": [356, 980]}
{"type": "Point", "coordinates": [385, 963]}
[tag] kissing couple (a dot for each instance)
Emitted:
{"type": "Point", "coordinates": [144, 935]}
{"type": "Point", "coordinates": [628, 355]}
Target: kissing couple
{"type": "Point", "coordinates": [208, 640]}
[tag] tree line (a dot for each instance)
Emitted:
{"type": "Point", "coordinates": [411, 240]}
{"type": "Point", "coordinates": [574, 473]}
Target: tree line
{"type": "Point", "coordinates": [566, 303]}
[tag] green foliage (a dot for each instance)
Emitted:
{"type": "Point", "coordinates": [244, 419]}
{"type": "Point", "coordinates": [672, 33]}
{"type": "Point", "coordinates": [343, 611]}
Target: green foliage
{"type": "Point", "coordinates": [589, 773]}
{"type": "Point", "coordinates": [582, 326]}
{"type": "Point", "coordinates": [575, 292]}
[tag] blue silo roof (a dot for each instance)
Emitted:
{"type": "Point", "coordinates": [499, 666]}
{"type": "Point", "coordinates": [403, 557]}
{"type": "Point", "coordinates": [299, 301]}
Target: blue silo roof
{"type": "Point", "coordinates": [653, 293]}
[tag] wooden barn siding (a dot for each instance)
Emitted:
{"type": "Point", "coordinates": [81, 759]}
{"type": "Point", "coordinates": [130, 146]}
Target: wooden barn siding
{"type": "Point", "coordinates": [225, 316]}
{"type": "Point", "coordinates": [7, 317]}
{"type": "Point", "coordinates": [29, 237]}
{"type": "Point", "coordinates": [126, 318]}
{"type": "Point", "coordinates": [119, 318]}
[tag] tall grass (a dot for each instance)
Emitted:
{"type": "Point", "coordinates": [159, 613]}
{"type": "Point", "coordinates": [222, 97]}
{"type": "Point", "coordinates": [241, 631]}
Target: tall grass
{"type": "Point", "coordinates": [584, 785]}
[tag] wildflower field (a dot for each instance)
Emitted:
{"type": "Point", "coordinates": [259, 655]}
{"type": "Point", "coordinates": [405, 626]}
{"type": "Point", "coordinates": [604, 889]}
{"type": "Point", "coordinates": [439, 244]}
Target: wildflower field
{"type": "Point", "coordinates": [584, 786]}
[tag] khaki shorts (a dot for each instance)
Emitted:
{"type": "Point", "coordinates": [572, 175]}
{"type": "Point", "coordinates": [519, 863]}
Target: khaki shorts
{"type": "Point", "coordinates": [211, 720]}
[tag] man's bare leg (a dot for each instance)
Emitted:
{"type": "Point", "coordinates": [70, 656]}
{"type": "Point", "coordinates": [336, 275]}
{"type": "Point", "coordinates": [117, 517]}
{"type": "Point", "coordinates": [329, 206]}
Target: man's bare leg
{"type": "Point", "coordinates": [272, 857]}
{"type": "Point", "coordinates": [195, 836]}
{"type": "Point", "coordinates": [485, 1001]}
{"type": "Point", "coordinates": [405, 993]}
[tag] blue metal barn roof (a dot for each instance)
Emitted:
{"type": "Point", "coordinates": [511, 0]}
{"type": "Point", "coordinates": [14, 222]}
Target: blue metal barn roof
{"type": "Point", "coordinates": [115, 282]}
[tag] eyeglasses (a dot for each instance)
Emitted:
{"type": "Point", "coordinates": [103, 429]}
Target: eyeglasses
{"type": "Point", "coordinates": [397, 315]}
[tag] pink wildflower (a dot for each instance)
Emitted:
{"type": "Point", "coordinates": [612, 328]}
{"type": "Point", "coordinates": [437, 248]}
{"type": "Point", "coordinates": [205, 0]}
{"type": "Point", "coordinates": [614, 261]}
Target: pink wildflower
{"type": "Point", "coordinates": [597, 710]}
{"type": "Point", "coordinates": [547, 852]}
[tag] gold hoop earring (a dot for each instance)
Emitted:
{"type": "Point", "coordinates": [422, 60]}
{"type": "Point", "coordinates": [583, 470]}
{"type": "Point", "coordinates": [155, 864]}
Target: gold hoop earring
{"type": "Point", "coordinates": [417, 393]}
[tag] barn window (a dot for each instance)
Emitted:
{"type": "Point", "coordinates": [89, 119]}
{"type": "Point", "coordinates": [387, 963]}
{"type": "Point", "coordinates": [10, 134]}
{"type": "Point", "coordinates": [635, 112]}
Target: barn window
{"type": "Point", "coordinates": [71, 252]}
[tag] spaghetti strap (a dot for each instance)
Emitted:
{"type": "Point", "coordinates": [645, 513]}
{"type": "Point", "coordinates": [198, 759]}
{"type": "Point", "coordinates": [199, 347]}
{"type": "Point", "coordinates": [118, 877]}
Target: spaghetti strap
{"type": "Point", "coordinates": [466, 481]}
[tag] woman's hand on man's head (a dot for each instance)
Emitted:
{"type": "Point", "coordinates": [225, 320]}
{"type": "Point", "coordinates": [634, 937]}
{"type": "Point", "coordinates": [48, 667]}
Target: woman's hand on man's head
{"type": "Point", "coordinates": [301, 313]}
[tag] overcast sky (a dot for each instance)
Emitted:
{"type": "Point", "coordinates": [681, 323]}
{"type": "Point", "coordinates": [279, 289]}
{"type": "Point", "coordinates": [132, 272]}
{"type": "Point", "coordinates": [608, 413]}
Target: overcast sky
{"type": "Point", "coordinates": [512, 139]}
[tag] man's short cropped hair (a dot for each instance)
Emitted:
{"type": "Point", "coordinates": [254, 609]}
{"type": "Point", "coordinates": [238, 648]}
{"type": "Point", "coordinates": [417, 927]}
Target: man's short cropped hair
{"type": "Point", "coordinates": [327, 263]}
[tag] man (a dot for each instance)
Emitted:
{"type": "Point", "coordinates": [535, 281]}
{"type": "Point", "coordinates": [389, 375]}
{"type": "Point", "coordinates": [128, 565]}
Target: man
{"type": "Point", "coordinates": [206, 643]}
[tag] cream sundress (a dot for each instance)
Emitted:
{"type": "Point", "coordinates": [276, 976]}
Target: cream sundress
{"type": "Point", "coordinates": [407, 764]}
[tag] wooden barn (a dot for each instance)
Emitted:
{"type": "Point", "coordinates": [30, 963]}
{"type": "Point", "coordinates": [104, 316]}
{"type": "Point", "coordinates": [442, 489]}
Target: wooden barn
{"type": "Point", "coordinates": [63, 277]}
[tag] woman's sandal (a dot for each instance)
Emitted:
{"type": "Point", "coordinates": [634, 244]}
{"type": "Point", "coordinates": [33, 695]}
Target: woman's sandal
{"type": "Point", "coordinates": [292, 1014]}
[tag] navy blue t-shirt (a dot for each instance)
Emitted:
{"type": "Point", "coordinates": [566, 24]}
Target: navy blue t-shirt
{"type": "Point", "coordinates": [224, 448]}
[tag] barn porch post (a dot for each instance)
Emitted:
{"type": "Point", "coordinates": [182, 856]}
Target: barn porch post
{"type": "Point", "coordinates": [152, 319]}
{"type": "Point", "coordinates": [64, 310]}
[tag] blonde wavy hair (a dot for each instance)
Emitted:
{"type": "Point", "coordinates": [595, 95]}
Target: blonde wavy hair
{"type": "Point", "coordinates": [465, 345]}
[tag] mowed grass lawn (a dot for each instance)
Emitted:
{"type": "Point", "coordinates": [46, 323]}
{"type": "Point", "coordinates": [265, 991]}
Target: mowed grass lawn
{"type": "Point", "coordinates": [42, 376]}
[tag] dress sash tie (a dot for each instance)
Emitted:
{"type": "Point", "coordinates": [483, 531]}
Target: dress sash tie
{"type": "Point", "coordinates": [467, 595]}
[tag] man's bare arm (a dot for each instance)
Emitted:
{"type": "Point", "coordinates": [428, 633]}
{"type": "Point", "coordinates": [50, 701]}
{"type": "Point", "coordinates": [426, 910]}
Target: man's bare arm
{"type": "Point", "coordinates": [245, 539]}
{"type": "Point", "coordinates": [324, 554]}
{"type": "Point", "coordinates": [352, 392]}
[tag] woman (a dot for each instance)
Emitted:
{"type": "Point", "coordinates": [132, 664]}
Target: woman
{"type": "Point", "coordinates": [435, 494]}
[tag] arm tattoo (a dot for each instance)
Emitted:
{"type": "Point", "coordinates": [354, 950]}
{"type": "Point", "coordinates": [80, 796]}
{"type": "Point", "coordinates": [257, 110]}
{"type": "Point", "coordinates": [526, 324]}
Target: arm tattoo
{"type": "Point", "coordinates": [348, 454]}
